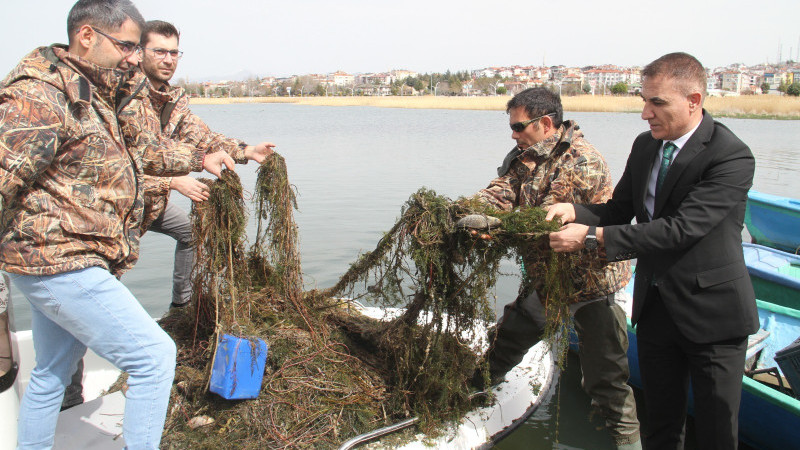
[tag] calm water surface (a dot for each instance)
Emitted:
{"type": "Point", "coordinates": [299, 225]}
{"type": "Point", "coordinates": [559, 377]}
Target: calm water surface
{"type": "Point", "coordinates": [354, 167]}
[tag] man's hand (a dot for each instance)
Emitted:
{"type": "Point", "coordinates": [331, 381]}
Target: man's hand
{"type": "Point", "coordinates": [197, 191]}
{"type": "Point", "coordinates": [258, 152]}
{"type": "Point", "coordinates": [569, 238]}
{"type": "Point", "coordinates": [563, 211]}
{"type": "Point", "coordinates": [214, 162]}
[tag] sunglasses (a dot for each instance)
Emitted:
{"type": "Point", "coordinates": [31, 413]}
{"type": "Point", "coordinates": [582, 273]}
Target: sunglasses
{"type": "Point", "coordinates": [126, 47]}
{"type": "Point", "coordinates": [161, 53]}
{"type": "Point", "coordinates": [519, 127]}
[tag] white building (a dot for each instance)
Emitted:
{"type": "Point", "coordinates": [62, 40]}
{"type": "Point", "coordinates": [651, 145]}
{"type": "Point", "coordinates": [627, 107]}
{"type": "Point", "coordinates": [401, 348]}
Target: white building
{"type": "Point", "coordinates": [342, 78]}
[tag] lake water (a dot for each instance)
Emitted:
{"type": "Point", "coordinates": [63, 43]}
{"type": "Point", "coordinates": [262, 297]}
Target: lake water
{"type": "Point", "coordinates": [354, 167]}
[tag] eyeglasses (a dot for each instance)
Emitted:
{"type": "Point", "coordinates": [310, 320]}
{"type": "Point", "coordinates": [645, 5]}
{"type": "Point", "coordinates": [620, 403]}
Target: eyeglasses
{"type": "Point", "coordinates": [161, 53]}
{"type": "Point", "coordinates": [126, 47]}
{"type": "Point", "coordinates": [519, 127]}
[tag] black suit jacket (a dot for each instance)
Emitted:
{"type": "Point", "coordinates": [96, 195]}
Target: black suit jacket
{"type": "Point", "coordinates": [692, 248]}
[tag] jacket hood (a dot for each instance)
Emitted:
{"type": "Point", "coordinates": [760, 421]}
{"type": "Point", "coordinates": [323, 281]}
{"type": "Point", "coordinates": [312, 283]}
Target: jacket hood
{"type": "Point", "coordinates": [68, 73]}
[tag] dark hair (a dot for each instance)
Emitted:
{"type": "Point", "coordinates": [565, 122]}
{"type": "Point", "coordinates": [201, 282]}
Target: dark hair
{"type": "Point", "coordinates": [682, 67]}
{"type": "Point", "coordinates": [537, 102]}
{"type": "Point", "coordinates": [159, 27]}
{"type": "Point", "coordinates": [108, 15]}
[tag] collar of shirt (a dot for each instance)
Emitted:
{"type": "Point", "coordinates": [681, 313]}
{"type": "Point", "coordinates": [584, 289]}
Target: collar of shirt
{"type": "Point", "coordinates": [545, 147]}
{"type": "Point", "coordinates": [680, 142]}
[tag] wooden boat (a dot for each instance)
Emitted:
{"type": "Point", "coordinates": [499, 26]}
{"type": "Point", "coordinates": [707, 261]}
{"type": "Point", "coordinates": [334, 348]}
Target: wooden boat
{"type": "Point", "coordinates": [775, 274]}
{"type": "Point", "coordinates": [769, 417]}
{"type": "Point", "coordinates": [97, 423]}
{"type": "Point", "coordinates": [773, 221]}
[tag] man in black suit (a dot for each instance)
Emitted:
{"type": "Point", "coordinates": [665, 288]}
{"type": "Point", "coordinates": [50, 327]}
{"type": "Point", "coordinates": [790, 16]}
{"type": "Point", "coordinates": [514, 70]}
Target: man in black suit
{"type": "Point", "coordinates": [693, 304]}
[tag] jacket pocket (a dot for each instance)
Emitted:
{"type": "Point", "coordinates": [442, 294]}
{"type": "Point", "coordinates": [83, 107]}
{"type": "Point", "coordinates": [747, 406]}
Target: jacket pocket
{"type": "Point", "coordinates": [88, 222]}
{"type": "Point", "coordinates": [721, 275]}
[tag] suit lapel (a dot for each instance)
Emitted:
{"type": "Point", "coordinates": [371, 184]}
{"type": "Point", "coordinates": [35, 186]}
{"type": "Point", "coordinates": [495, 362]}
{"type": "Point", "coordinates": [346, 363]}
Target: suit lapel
{"type": "Point", "coordinates": [693, 147]}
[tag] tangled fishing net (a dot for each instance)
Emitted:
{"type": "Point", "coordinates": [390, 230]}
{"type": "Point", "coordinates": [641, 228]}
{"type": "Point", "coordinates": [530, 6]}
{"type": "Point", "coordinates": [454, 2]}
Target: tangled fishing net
{"type": "Point", "coordinates": [332, 372]}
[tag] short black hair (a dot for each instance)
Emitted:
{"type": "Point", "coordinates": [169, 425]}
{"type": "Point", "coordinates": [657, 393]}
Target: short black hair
{"type": "Point", "coordinates": [160, 27]}
{"type": "Point", "coordinates": [108, 15]}
{"type": "Point", "coordinates": [682, 67]}
{"type": "Point", "coordinates": [537, 102]}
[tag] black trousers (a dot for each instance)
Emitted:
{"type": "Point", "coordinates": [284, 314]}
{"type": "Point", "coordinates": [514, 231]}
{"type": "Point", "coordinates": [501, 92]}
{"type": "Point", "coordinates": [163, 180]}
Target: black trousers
{"type": "Point", "coordinates": [668, 361]}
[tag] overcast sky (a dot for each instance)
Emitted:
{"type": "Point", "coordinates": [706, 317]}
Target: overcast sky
{"type": "Point", "coordinates": [281, 38]}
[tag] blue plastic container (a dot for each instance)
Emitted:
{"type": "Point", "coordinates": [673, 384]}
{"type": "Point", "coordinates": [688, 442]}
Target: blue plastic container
{"type": "Point", "coordinates": [238, 368]}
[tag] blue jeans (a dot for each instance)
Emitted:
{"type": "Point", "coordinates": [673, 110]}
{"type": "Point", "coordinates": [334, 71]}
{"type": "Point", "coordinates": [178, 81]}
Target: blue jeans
{"type": "Point", "coordinates": [91, 308]}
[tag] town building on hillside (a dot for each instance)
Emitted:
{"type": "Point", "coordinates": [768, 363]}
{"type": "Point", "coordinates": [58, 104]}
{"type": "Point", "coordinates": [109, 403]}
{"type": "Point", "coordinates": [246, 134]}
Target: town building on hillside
{"type": "Point", "coordinates": [402, 74]}
{"type": "Point", "coordinates": [382, 79]}
{"type": "Point", "coordinates": [342, 78]}
{"type": "Point", "coordinates": [732, 81]}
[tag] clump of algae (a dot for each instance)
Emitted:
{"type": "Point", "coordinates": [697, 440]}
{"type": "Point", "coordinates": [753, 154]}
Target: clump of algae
{"type": "Point", "coordinates": [334, 373]}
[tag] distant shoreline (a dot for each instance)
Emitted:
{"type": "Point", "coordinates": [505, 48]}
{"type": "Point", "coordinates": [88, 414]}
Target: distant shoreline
{"type": "Point", "coordinates": [748, 107]}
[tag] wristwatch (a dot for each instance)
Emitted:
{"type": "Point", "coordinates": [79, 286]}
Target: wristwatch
{"type": "Point", "coordinates": [590, 241]}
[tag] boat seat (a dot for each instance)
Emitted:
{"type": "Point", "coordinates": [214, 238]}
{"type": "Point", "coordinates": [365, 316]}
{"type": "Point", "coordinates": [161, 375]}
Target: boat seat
{"type": "Point", "coordinates": [755, 343]}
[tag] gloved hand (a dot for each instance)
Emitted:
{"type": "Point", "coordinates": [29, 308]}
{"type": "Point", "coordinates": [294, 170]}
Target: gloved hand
{"type": "Point", "coordinates": [479, 222]}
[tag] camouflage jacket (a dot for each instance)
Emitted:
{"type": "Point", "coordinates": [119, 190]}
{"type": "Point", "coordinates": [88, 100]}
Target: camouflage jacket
{"type": "Point", "coordinates": [562, 168]}
{"type": "Point", "coordinates": [176, 121]}
{"type": "Point", "coordinates": [70, 164]}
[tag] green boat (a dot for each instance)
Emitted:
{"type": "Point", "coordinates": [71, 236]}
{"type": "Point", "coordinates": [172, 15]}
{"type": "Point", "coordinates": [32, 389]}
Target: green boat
{"type": "Point", "coordinates": [773, 221]}
{"type": "Point", "coordinates": [775, 274]}
{"type": "Point", "coordinates": [769, 416]}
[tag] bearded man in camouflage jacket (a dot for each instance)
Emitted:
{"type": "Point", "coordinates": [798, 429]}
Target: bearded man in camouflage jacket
{"type": "Point", "coordinates": [170, 106]}
{"type": "Point", "coordinates": [552, 161]}
{"type": "Point", "coordinates": [71, 156]}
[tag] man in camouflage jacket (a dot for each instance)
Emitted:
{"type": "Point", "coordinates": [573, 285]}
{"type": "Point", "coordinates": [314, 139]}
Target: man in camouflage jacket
{"type": "Point", "coordinates": [552, 161]}
{"type": "Point", "coordinates": [71, 215]}
{"type": "Point", "coordinates": [169, 105]}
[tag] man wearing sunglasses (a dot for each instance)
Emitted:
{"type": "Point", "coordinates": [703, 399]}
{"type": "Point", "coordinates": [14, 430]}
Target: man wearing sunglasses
{"type": "Point", "coordinates": [70, 212]}
{"type": "Point", "coordinates": [552, 163]}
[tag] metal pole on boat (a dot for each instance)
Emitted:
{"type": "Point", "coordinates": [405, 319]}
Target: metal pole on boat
{"type": "Point", "coordinates": [366, 437]}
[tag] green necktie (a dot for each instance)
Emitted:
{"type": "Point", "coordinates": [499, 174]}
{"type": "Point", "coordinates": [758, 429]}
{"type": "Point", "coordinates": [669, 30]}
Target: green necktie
{"type": "Point", "coordinates": [666, 160]}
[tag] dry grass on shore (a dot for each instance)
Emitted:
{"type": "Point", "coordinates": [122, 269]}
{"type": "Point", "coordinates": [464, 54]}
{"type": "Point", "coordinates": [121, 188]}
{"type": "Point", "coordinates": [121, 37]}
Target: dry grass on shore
{"type": "Point", "coordinates": [751, 106]}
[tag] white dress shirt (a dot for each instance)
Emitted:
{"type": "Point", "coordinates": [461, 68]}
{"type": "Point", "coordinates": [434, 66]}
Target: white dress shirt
{"type": "Point", "coordinates": [650, 198]}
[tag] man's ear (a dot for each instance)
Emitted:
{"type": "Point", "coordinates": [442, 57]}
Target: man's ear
{"type": "Point", "coordinates": [547, 123]}
{"type": "Point", "coordinates": [695, 101]}
{"type": "Point", "coordinates": [86, 37]}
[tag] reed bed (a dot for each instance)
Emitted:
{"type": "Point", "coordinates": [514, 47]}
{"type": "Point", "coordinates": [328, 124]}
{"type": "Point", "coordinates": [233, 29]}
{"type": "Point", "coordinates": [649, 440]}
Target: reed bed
{"type": "Point", "coordinates": [747, 106]}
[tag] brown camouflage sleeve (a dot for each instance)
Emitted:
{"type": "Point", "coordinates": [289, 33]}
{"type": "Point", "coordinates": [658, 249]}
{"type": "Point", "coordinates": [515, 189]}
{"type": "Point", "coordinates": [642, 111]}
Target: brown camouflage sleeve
{"type": "Point", "coordinates": [156, 185]}
{"type": "Point", "coordinates": [583, 180]}
{"type": "Point", "coordinates": [30, 126]}
{"type": "Point", "coordinates": [156, 195]}
{"type": "Point", "coordinates": [160, 155]}
{"type": "Point", "coordinates": [502, 192]}
{"type": "Point", "coordinates": [193, 130]}
{"type": "Point", "coordinates": [164, 157]}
